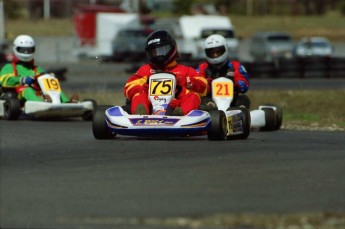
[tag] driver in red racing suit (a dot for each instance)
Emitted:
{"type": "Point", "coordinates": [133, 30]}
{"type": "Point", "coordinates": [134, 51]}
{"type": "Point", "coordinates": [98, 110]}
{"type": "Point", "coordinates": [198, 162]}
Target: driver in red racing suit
{"type": "Point", "coordinates": [161, 50]}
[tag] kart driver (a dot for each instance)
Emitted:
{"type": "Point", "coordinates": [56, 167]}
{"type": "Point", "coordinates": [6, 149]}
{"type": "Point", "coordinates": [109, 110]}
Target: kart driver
{"type": "Point", "coordinates": [217, 65]}
{"type": "Point", "coordinates": [21, 72]}
{"type": "Point", "coordinates": [162, 53]}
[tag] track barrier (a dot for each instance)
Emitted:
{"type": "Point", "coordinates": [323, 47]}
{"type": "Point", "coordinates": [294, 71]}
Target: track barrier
{"type": "Point", "coordinates": [308, 67]}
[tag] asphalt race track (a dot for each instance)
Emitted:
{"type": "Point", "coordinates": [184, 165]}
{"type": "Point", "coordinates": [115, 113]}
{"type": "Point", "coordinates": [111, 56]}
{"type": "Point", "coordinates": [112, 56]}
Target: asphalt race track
{"type": "Point", "coordinates": [56, 175]}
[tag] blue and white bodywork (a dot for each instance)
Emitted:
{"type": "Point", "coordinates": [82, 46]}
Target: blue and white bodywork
{"type": "Point", "coordinates": [196, 122]}
{"type": "Point", "coordinates": [110, 121]}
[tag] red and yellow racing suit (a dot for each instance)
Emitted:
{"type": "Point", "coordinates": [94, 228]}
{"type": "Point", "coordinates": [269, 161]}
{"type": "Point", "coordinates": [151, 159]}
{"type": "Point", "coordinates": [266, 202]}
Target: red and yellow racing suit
{"type": "Point", "coordinates": [189, 98]}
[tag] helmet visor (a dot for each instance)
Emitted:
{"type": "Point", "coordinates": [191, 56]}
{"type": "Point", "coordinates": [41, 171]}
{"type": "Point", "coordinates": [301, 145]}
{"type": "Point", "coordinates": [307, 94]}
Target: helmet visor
{"type": "Point", "coordinates": [26, 50]}
{"type": "Point", "coordinates": [215, 52]}
{"type": "Point", "coordinates": [159, 51]}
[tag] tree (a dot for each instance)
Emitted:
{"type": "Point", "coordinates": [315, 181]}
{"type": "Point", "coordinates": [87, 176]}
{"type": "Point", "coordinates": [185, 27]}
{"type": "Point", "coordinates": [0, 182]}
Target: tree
{"type": "Point", "coordinates": [12, 9]}
{"type": "Point", "coordinates": [182, 6]}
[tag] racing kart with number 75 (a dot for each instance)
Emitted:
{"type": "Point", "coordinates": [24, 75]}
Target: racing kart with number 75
{"type": "Point", "coordinates": [110, 121]}
{"type": "Point", "coordinates": [47, 85]}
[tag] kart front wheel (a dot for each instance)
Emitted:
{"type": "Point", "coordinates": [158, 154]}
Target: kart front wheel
{"type": "Point", "coordinates": [218, 129]}
{"type": "Point", "coordinates": [12, 108]}
{"type": "Point", "coordinates": [242, 101]}
{"type": "Point", "coordinates": [88, 115]}
{"type": "Point", "coordinates": [99, 126]}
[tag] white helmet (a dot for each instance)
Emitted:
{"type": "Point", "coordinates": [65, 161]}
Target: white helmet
{"type": "Point", "coordinates": [24, 48]}
{"type": "Point", "coordinates": [216, 49]}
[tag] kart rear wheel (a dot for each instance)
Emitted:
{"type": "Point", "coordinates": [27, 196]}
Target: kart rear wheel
{"type": "Point", "coordinates": [270, 119]}
{"type": "Point", "coordinates": [278, 114]}
{"type": "Point", "coordinates": [88, 115]}
{"type": "Point", "coordinates": [12, 108]}
{"type": "Point", "coordinates": [218, 127]}
{"type": "Point", "coordinates": [245, 124]}
{"type": "Point", "coordinates": [242, 101]}
{"type": "Point", "coordinates": [279, 117]}
{"type": "Point", "coordinates": [99, 127]}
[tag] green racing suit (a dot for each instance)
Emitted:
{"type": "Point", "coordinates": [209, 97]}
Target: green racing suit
{"type": "Point", "coordinates": [11, 74]}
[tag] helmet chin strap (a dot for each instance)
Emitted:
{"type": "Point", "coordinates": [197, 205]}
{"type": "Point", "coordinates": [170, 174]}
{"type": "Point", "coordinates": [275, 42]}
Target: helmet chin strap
{"type": "Point", "coordinates": [16, 60]}
{"type": "Point", "coordinates": [221, 64]}
{"type": "Point", "coordinates": [172, 64]}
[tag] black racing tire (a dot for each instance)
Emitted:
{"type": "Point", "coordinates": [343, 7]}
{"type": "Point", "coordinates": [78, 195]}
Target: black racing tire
{"type": "Point", "coordinates": [278, 114]}
{"type": "Point", "coordinates": [99, 127]}
{"type": "Point", "coordinates": [9, 94]}
{"type": "Point", "coordinates": [218, 129]}
{"type": "Point", "coordinates": [12, 109]}
{"type": "Point", "coordinates": [245, 124]}
{"type": "Point", "coordinates": [88, 115]}
{"type": "Point", "coordinates": [270, 119]}
{"type": "Point", "coordinates": [279, 117]}
{"type": "Point", "coordinates": [242, 101]}
{"type": "Point", "coordinates": [127, 106]}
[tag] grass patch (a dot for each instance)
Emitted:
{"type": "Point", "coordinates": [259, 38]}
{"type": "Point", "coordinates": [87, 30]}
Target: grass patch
{"type": "Point", "coordinates": [51, 27]}
{"type": "Point", "coordinates": [319, 109]}
{"type": "Point", "coordinates": [297, 26]}
{"type": "Point", "coordinates": [303, 116]}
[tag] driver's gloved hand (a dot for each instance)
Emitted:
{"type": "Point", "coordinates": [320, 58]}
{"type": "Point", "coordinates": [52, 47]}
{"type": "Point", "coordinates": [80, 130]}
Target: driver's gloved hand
{"type": "Point", "coordinates": [209, 80]}
{"type": "Point", "coordinates": [27, 80]}
{"type": "Point", "coordinates": [241, 86]}
{"type": "Point", "coordinates": [145, 88]}
{"type": "Point", "coordinates": [187, 82]}
{"type": "Point", "coordinates": [174, 103]}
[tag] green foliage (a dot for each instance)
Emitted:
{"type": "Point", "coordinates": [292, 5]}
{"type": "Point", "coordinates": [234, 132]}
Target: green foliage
{"type": "Point", "coordinates": [342, 7]}
{"type": "Point", "coordinates": [182, 6]}
{"type": "Point", "coordinates": [12, 9]}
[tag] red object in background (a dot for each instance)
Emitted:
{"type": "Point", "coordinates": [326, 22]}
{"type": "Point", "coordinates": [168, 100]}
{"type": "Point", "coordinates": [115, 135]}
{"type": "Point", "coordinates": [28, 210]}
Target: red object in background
{"type": "Point", "coordinates": [84, 20]}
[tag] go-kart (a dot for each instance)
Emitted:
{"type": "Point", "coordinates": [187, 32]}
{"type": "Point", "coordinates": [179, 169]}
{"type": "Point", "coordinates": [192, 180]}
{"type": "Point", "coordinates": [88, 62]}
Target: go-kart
{"type": "Point", "coordinates": [110, 121]}
{"type": "Point", "coordinates": [47, 84]}
{"type": "Point", "coordinates": [267, 117]}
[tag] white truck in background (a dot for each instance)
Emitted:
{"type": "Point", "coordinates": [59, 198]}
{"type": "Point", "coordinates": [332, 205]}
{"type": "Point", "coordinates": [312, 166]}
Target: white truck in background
{"type": "Point", "coordinates": [107, 26]}
{"type": "Point", "coordinates": [191, 32]}
{"type": "Point", "coordinates": [197, 28]}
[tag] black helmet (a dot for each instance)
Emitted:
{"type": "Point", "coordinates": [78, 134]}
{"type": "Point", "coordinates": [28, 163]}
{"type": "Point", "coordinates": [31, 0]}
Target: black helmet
{"type": "Point", "coordinates": [161, 48]}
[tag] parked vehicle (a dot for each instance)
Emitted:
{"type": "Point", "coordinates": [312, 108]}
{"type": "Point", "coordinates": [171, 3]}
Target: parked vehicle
{"type": "Point", "coordinates": [129, 44]}
{"type": "Point", "coordinates": [271, 45]}
{"type": "Point", "coordinates": [313, 46]}
{"type": "Point", "coordinates": [96, 32]}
